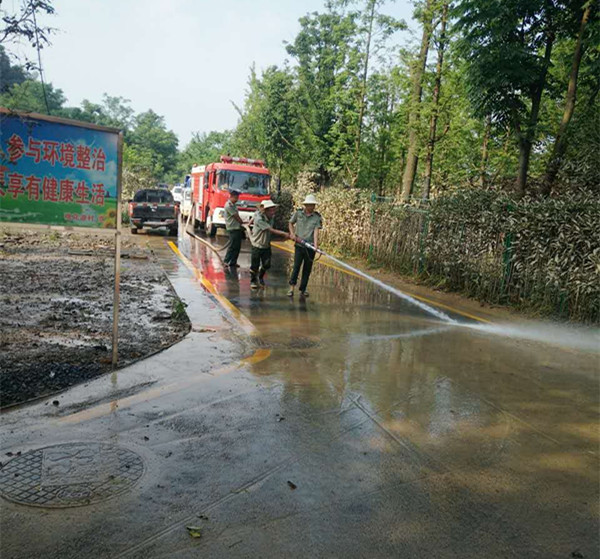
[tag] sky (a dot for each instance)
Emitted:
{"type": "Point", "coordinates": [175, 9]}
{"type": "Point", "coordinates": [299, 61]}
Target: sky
{"type": "Point", "coordinates": [186, 59]}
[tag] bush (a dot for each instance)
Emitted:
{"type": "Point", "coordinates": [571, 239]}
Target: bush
{"type": "Point", "coordinates": [543, 255]}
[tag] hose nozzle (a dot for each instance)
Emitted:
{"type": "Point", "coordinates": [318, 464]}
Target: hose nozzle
{"type": "Point", "coordinates": [311, 247]}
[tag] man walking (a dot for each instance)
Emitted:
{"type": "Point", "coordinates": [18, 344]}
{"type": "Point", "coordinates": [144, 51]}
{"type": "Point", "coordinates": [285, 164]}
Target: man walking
{"type": "Point", "coordinates": [306, 223]}
{"type": "Point", "coordinates": [262, 231]}
{"type": "Point", "coordinates": [233, 224]}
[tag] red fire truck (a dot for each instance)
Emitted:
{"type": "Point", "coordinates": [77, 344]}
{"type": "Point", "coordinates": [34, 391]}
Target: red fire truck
{"type": "Point", "coordinates": [211, 184]}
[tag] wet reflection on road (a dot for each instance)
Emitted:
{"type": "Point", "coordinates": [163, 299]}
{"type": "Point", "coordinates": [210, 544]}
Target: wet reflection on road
{"type": "Point", "coordinates": [440, 385]}
{"type": "Point", "coordinates": [348, 424]}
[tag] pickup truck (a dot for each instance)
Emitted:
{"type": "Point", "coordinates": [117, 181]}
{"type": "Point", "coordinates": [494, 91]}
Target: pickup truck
{"type": "Point", "coordinates": [154, 208]}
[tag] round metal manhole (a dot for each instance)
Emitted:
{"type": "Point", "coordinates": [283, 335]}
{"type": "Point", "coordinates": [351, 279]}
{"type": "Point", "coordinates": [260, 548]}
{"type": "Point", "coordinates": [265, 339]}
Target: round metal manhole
{"type": "Point", "coordinates": [70, 475]}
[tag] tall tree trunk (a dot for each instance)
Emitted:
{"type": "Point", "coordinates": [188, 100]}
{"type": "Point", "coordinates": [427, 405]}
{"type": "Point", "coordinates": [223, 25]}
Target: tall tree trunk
{"type": "Point", "coordinates": [485, 153]}
{"type": "Point", "coordinates": [382, 149]}
{"type": "Point", "coordinates": [527, 138]}
{"type": "Point", "coordinates": [436, 104]}
{"type": "Point", "coordinates": [560, 143]}
{"type": "Point", "coordinates": [412, 156]}
{"type": "Point", "coordinates": [363, 93]}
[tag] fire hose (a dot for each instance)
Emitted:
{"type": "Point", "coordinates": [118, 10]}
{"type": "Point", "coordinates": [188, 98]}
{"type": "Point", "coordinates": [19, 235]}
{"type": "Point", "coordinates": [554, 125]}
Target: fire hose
{"type": "Point", "coordinates": [307, 245]}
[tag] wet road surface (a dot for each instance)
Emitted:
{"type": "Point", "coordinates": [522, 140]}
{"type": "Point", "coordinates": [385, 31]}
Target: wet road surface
{"type": "Point", "coordinates": [349, 424]}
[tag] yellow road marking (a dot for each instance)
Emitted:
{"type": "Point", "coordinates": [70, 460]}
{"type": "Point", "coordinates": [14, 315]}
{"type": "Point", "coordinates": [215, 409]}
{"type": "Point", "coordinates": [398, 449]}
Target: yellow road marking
{"type": "Point", "coordinates": [258, 356]}
{"type": "Point", "coordinates": [244, 323]}
{"type": "Point", "coordinates": [419, 297]}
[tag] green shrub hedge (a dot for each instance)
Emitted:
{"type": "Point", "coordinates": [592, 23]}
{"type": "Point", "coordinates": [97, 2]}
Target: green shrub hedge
{"type": "Point", "coordinates": [541, 255]}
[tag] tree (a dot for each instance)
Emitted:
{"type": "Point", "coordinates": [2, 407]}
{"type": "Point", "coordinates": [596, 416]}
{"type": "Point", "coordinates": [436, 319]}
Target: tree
{"type": "Point", "coordinates": [140, 169]}
{"type": "Point", "coordinates": [269, 121]}
{"type": "Point", "coordinates": [412, 157]}
{"type": "Point", "coordinates": [203, 148]}
{"type": "Point", "coordinates": [29, 96]}
{"type": "Point", "coordinates": [23, 23]}
{"type": "Point", "coordinates": [374, 29]}
{"type": "Point", "coordinates": [112, 111]}
{"type": "Point", "coordinates": [10, 74]}
{"type": "Point", "coordinates": [378, 154]}
{"type": "Point", "coordinates": [328, 90]}
{"type": "Point", "coordinates": [507, 47]}
{"type": "Point", "coordinates": [560, 143]}
{"type": "Point", "coordinates": [435, 102]}
{"type": "Point", "coordinates": [485, 153]}
{"type": "Point", "coordinates": [151, 137]}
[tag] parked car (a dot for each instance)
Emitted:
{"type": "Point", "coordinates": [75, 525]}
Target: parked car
{"type": "Point", "coordinates": [153, 208]}
{"type": "Point", "coordinates": [177, 193]}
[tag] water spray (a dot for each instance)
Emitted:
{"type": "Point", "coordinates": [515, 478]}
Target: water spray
{"type": "Point", "coordinates": [389, 288]}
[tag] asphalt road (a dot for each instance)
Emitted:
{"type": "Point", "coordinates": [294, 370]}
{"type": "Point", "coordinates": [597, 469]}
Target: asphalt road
{"type": "Point", "coordinates": [348, 424]}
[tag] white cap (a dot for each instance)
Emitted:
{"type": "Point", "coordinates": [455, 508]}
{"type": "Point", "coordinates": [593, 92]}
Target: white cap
{"type": "Point", "coordinates": [268, 204]}
{"type": "Point", "coordinates": [310, 199]}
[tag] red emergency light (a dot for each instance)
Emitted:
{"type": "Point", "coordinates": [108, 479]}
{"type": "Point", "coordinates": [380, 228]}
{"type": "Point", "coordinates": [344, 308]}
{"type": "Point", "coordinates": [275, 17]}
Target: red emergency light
{"type": "Point", "coordinates": [244, 160]}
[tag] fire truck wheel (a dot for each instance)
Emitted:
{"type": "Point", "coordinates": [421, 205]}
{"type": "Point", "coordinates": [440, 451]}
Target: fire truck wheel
{"type": "Point", "coordinates": [173, 231]}
{"type": "Point", "coordinates": [134, 230]}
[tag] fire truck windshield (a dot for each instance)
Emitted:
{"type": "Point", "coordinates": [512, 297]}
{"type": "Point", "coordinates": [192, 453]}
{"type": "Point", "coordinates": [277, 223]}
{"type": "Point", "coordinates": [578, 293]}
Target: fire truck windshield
{"type": "Point", "coordinates": [247, 183]}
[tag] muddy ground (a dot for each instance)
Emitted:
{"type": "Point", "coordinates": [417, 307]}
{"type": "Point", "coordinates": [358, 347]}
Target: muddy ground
{"type": "Point", "coordinates": [56, 310]}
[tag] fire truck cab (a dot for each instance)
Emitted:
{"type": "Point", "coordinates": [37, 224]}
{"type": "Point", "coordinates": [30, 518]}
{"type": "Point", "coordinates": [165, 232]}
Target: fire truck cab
{"type": "Point", "coordinates": [211, 184]}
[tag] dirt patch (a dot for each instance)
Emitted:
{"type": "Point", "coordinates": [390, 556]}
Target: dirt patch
{"type": "Point", "coordinates": [56, 310]}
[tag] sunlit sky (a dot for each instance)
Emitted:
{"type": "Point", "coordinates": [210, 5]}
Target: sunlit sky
{"type": "Point", "coordinates": [185, 59]}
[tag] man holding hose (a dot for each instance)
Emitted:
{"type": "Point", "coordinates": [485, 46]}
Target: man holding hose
{"type": "Point", "coordinates": [306, 223]}
{"type": "Point", "coordinates": [260, 238]}
{"type": "Point", "coordinates": [233, 224]}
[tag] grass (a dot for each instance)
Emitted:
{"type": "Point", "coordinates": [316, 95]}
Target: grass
{"type": "Point", "coordinates": [178, 311]}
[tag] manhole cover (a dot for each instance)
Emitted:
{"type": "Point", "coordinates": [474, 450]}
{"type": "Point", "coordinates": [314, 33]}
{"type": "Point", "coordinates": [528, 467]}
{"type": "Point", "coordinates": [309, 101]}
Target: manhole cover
{"type": "Point", "coordinates": [70, 475]}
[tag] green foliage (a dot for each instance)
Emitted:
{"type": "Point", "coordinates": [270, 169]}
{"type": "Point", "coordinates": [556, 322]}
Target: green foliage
{"type": "Point", "coordinates": [328, 84]}
{"type": "Point", "coordinates": [139, 170]}
{"type": "Point", "coordinates": [29, 96]}
{"type": "Point", "coordinates": [151, 137]}
{"type": "Point", "coordinates": [203, 149]}
{"type": "Point", "coordinates": [178, 312]}
{"type": "Point", "coordinates": [307, 116]}
{"type": "Point", "coordinates": [269, 123]}
{"type": "Point", "coordinates": [112, 111]}
{"type": "Point", "coordinates": [10, 74]}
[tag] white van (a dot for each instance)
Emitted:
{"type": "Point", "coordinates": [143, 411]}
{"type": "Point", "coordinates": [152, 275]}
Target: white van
{"type": "Point", "coordinates": [177, 193]}
{"type": "Point", "coordinates": [186, 204]}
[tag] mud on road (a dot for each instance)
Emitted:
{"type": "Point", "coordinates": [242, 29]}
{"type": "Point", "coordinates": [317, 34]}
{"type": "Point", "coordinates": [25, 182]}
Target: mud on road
{"type": "Point", "coordinates": [56, 304]}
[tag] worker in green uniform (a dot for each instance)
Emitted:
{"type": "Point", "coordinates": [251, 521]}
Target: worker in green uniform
{"type": "Point", "coordinates": [233, 224]}
{"type": "Point", "coordinates": [260, 238]}
{"type": "Point", "coordinates": [304, 224]}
